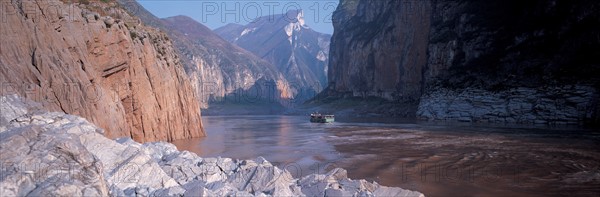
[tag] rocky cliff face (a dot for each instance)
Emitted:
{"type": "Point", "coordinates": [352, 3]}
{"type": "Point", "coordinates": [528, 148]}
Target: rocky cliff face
{"type": "Point", "coordinates": [568, 104]}
{"type": "Point", "coordinates": [298, 52]}
{"type": "Point", "coordinates": [52, 153]}
{"type": "Point", "coordinates": [379, 48]}
{"type": "Point", "coordinates": [477, 44]}
{"type": "Point", "coordinates": [505, 61]}
{"type": "Point", "coordinates": [534, 65]}
{"type": "Point", "coordinates": [94, 60]}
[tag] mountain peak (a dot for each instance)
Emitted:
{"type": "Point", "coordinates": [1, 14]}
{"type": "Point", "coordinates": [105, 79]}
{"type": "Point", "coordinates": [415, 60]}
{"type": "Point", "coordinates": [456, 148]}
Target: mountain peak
{"type": "Point", "coordinates": [299, 53]}
{"type": "Point", "coordinates": [180, 17]}
{"type": "Point", "coordinates": [296, 22]}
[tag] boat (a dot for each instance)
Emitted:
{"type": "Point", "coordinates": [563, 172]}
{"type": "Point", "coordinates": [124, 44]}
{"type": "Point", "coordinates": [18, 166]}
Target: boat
{"type": "Point", "coordinates": [320, 118]}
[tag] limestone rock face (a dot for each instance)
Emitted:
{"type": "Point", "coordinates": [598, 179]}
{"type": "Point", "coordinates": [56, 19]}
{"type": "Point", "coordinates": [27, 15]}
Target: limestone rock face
{"type": "Point", "coordinates": [52, 153]}
{"type": "Point", "coordinates": [40, 156]}
{"type": "Point", "coordinates": [96, 61]}
{"type": "Point", "coordinates": [552, 105]}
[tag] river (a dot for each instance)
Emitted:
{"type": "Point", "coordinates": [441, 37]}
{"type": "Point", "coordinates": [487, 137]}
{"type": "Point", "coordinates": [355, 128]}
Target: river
{"type": "Point", "coordinates": [435, 159]}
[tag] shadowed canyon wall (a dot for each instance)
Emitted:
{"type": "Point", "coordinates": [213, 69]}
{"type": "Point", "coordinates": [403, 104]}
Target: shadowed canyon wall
{"type": "Point", "coordinates": [93, 59]}
{"type": "Point", "coordinates": [501, 61]}
{"type": "Point", "coordinates": [379, 48]}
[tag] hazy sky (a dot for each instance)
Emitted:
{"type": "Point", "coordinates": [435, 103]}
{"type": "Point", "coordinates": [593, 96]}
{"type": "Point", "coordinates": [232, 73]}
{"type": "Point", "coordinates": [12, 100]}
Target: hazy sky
{"type": "Point", "coordinates": [216, 13]}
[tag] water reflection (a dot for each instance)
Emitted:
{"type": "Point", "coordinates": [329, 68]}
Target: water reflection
{"type": "Point", "coordinates": [284, 140]}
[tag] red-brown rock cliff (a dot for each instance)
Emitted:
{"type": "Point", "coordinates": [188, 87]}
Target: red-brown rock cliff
{"type": "Point", "coordinates": [94, 60]}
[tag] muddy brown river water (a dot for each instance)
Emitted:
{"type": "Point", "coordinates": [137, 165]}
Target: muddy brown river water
{"type": "Point", "coordinates": [435, 159]}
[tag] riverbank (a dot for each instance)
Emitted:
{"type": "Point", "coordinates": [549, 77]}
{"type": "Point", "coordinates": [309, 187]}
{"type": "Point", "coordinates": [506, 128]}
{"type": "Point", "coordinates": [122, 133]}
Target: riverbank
{"type": "Point", "coordinates": [51, 153]}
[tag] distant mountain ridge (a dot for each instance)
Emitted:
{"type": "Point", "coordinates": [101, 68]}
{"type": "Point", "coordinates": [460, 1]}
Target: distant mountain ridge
{"type": "Point", "coordinates": [217, 61]}
{"type": "Point", "coordinates": [284, 40]}
{"type": "Point", "coordinates": [218, 69]}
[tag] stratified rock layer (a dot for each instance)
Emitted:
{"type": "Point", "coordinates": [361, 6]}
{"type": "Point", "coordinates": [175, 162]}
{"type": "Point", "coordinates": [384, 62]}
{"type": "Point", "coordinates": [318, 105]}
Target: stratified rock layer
{"type": "Point", "coordinates": [96, 61]}
{"type": "Point", "coordinates": [51, 153]}
{"type": "Point", "coordinates": [551, 105]}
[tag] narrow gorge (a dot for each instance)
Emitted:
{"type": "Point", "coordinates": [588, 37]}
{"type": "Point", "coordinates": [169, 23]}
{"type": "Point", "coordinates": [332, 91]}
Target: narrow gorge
{"type": "Point", "coordinates": [250, 98]}
{"type": "Point", "coordinates": [225, 73]}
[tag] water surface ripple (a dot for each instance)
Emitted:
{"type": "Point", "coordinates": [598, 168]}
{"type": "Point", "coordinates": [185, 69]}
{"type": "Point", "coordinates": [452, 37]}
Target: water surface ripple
{"type": "Point", "coordinates": [435, 159]}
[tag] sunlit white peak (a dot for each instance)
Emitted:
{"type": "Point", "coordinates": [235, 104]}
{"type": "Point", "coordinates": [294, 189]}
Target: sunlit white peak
{"type": "Point", "coordinates": [296, 21]}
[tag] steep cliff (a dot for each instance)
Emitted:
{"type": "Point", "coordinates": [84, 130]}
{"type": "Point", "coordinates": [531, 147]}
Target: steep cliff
{"type": "Point", "coordinates": [502, 61]}
{"type": "Point", "coordinates": [515, 61]}
{"type": "Point", "coordinates": [379, 48]}
{"type": "Point", "coordinates": [300, 53]}
{"type": "Point", "coordinates": [92, 59]}
{"type": "Point", "coordinates": [514, 43]}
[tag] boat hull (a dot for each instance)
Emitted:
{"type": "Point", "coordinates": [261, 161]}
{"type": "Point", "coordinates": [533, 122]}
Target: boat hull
{"type": "Point", "coordinates": [322, 120]}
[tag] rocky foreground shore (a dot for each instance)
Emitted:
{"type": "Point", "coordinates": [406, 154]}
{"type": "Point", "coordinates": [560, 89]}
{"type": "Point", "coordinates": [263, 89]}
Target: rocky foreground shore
{"type": "Point", "coordinates": [55, 154]}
